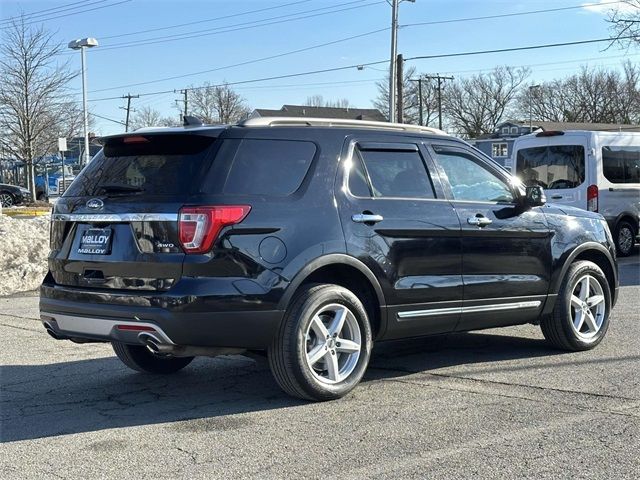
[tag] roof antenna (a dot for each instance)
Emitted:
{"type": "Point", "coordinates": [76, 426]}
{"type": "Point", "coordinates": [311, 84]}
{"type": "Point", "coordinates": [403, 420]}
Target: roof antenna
{"type": "Point", "coordinates": [190, 121]}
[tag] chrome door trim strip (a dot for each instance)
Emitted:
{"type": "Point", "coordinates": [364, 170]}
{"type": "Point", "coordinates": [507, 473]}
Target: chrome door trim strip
{"type": "Point", "coordinates": [114, 217]}
{"type": "Point", "coordinates": [472, 309]}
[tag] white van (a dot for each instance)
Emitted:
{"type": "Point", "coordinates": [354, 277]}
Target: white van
{"type": "Point", "coordinates": [597, 171]}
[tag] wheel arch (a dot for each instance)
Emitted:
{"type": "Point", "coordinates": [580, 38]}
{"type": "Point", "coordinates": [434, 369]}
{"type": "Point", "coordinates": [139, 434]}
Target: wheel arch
{"type": "Point", "coordinates": [628, 217]}
{"type": "Point", "coordinates": [598, 254]}
{"type": "Point", "coordinates": [349, 272]}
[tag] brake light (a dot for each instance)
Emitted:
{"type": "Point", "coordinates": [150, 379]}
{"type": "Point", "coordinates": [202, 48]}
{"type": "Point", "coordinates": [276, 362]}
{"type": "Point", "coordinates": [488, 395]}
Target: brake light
{"type": "Point", "coordinates": [135, 139]}
{"type": "Point", "coordinates": [136, 328]}
{"type": "Point", "coordinates": [592, 198]}
{"type": "Point", "coordinates": [198, 227]}
{"type": "Point", "coordinates": [550, 133]}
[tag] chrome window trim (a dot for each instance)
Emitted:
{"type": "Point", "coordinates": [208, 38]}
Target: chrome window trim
{"type": "Point", "coordinates": [114, 217]}
{"type": "Point", "coordinates": [471, 309]}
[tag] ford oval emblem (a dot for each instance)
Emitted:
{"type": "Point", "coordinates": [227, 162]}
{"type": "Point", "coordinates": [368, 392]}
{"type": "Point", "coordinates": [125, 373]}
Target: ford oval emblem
{"type": "Point", "coordinates": [95, 204]}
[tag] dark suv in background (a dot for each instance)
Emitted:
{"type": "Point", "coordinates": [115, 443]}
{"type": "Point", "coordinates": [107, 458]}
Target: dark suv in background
{"type": "Point", "coordinates": [310, 239]}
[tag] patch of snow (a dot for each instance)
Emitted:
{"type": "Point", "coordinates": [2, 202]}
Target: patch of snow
{"type": "Point", "coordinates": [24, 248]}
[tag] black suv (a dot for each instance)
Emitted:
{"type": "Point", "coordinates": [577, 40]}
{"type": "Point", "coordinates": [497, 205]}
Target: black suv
{"type": "Point", "coordinates": [309, 240]}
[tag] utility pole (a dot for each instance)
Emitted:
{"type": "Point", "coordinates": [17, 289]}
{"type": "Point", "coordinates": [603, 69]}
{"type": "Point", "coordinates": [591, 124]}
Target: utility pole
{"type": "Point", "coordinates": [440, 79]}
{"type": "Point", "coordinates": [420, 115]}
{"type": "Point", "coordinates": [185, 92]}
{"type": "Point", "coordinates": [399, 82]}
{"type": "Point", "coordinates": [128, 109]}
{"type": "Point", "coordinates": [392, 68]}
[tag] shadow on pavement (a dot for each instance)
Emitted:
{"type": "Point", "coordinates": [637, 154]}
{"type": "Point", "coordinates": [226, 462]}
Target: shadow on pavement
{"type": "Point", "coordinates": [91, 395]}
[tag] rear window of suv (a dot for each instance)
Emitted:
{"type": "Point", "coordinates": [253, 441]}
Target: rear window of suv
{"type": "Point", "coordinates": [151, 165]}
{"type": "Point", "coordinates": [259, 167]}
{"type": "Point", "coordinates": [621, 164]}
{"type": "Point", "coordinates": [553, 167]}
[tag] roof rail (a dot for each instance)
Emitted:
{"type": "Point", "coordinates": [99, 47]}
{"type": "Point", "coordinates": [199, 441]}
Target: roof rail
{"type": "Point", "coordinates": [334, 122]}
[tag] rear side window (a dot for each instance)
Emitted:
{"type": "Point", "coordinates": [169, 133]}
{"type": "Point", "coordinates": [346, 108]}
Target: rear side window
{"type": "Point", "coordinates": [553, 167]}
{"type": "Point", "coordinates": [152, 165]}
{"type": "Point", "coordinates": [396, 174]}
{"type": "Point", "coordinates": [621, 164]}
{"type": "Point", "coordinates": [260, 167]}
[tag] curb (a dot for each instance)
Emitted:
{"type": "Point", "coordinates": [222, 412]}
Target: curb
{"type": "Point", "coordinates": [30, 212]}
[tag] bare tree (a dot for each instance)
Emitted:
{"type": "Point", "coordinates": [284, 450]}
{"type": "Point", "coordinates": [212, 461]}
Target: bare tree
{"type": "Point", "coordinates": [411, 99]}
{"type": "Point", "coordinates": [217, 104]}
{"type": "Point", "coordinates": [149, 117]}
{"type": "Point", "coordinates": [625, 22]}
{"type": "Point", "coordinates": [35, 105]}
{"type": "Point", "coordinates": [474, 105]}
{"type": "Point", "coordinates": [319, 101]}
{"type": "Point", "coordinates": [591, 95]}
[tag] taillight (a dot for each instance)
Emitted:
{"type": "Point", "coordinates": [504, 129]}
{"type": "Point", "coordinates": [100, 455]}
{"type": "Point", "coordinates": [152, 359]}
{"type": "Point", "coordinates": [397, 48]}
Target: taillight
{"type": "Point", "coordinates": [592, 198]}
{"type": "Point", "coordinates": [198, 227]}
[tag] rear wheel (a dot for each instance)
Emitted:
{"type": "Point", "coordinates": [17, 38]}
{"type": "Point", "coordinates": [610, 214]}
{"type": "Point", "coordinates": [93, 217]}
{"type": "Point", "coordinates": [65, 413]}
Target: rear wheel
{"type": "Point", "coordinates": [625, 238]}
{"type": "Point", "coordinates": [6, 199]}
{"type": "Point", "coordinates": [141, 359]}
{"type": "Point", "coordinates": [322, 348]}
{"type": "Point", "coordinates": [580, 318]}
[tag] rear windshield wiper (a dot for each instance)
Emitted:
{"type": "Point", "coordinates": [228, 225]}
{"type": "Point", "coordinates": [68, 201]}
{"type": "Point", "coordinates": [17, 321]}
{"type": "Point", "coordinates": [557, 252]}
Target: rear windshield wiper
{"type": "Point", "coordinates": [120, 187]}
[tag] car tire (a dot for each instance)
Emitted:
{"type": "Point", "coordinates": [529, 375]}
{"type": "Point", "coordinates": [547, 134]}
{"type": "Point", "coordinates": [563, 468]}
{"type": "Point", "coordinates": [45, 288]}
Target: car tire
{"type": "Point", "coordinates": [7, 199]}
{"type": "Point", "coordinates": [323, 345]}
{"type": "Point", "coordinates": [625, 236]}
{"type": "Point", "coordinates": [42, 197]}
{"type": "Point", "coordinates": [141, 359]}
{"type": "Point", "coordinates": [580, 317]}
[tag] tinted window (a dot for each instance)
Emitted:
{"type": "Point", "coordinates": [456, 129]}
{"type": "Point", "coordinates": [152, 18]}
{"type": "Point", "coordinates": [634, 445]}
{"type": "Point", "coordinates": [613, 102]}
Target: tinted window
{"type": "Point", "coordinates": [470, 180]}
{"type": "Point", "coordinates": [358, 183]}
{"type": "Point", "coordinates": [260, 167]}
{"type": "Point", "coordinates": [554, 167]}
{"type": "Point", "coordinates": [399, 174]}
{"type": "Point", "coordinates": [621, 164]}
{"type": "Point", "coordinates": [152, 165]}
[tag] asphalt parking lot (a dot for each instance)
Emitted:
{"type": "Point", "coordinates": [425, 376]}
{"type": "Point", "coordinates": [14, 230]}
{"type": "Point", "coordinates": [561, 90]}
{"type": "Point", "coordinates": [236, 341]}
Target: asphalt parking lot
{"type": "Point", "coordinates": [497, 403]}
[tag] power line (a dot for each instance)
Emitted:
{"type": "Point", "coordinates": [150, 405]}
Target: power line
{"type": "Point", "coordinates": [379, 62]}
{"type": "Point", "coordinates": [247, 62]}
{"type": "Point", "coordinates": [29, 22]}
{"type": "Point", "coordinates": [238, 27]}
{"type": "Point", "coordinates": [41, 12]}
{"type": "Point", "coordinates": [515, 14]}
{"type": "Point", "coordinates": [169, 27]}
{"type": "Point", "coordinates": [518, 49]}
{"type": "Point", "coordinates": [106, 118]}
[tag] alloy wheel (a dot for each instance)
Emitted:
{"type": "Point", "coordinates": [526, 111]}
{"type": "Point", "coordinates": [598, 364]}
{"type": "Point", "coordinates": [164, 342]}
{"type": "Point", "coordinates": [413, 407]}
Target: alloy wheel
{"type": "Point", "coordinates": [625, 239]}
{"type": "Point", "coordinates": [333, 343]}
{"type": "Point", "coordinates": [6, 200]}
{"type": "Point", "coordinates": [588, 307]}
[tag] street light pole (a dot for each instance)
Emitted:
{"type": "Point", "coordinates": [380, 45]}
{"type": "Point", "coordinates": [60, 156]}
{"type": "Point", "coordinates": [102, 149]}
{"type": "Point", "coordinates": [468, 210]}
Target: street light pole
{"type": "Point", "coordinates": [82, 44]}
{"type": "Point", "coordinates": [392, 67]}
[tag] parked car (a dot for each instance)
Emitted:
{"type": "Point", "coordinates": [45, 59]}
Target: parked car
{"type": "Point", "coordinates": [11, 195]}
{"type": "Point", "coordinates": [310, 240]}
{"type": "Point", "coordinates": [596, 171]}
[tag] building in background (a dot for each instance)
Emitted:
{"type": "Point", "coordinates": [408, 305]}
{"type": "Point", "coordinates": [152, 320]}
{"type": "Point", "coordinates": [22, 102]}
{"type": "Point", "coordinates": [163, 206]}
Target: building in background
{"type": "Point", "coordinates": [499, 144]}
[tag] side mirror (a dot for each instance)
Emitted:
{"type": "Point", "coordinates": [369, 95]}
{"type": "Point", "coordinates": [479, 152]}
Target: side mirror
{"type": "Point", "coordinates": [535, 196]}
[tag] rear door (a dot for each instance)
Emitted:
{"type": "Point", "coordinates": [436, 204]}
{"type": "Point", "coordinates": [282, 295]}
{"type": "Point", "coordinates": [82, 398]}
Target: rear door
{"type": "Point", "coordinates": [558, 164]}
{"type": "Point", "coordinates": [396, 220]}
{"type": "Point", "coordinates": [116, 227]}
{"type": "Point", "coordinates": [506, 253]}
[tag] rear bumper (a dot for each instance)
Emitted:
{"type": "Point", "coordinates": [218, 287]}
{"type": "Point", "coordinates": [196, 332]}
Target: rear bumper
{"type": "Point", "coordinates": [106, 322]}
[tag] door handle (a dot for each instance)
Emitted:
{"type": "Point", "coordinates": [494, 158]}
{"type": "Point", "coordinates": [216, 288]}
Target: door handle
{"type": "Point", "coordinates": [479, 221]}
{"type": "Point", "coordinates": [556, 197]}
{"type": "Point", "coordinates": [366, 218]}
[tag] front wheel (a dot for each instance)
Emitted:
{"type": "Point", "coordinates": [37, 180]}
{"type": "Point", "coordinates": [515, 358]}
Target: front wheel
{"type": "Point", "coordinates": [580, 318]}
{"type": "Point", "coordinates": [625, 238]}
{"type": "Point", "coordinates": [141, 359]}
{"type": "Point", "coordinates": [6, 199]}
{"type": "Point", "coordinates": [323, 345]}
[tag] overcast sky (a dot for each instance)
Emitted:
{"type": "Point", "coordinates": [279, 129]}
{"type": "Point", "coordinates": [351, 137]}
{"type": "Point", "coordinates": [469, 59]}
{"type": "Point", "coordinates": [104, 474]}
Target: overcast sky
{"type": "Point", "coordinates": [221, 33]}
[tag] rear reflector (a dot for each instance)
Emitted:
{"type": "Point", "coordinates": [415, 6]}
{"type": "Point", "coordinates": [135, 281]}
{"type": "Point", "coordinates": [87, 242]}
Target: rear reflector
{"type": "Point", "coordinates": [592, 198]}
{"type": "Point", "coordinates": [136, 328]}
{"type": "Point", "coordinates": [199, 226]}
